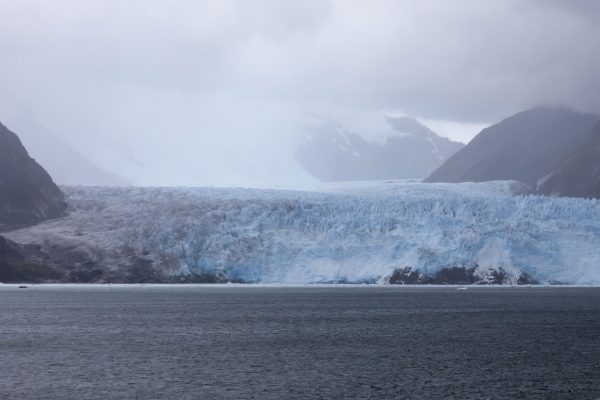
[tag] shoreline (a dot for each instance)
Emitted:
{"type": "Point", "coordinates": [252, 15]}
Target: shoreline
{"type": "Point", "coordinates": [274, 285]}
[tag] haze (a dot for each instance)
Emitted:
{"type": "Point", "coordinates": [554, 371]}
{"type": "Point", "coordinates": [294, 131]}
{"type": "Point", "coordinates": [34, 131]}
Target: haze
{"type": "Point", "coordinates": [217, 92]}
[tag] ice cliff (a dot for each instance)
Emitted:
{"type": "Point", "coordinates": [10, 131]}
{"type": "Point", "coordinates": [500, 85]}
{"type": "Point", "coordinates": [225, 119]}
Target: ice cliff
{"type": "Point", "coordinates": [357, 233]}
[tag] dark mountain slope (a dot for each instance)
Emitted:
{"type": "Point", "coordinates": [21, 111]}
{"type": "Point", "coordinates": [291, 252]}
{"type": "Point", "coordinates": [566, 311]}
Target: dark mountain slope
{"type": "Point", "coordinates": [65, 164]}
{"type": "Point", "coordinates": [579, 173]}
{"type": "Point", "coordinates": [27, 193]}
{"type": "Point", "coordinates": [525, 147]}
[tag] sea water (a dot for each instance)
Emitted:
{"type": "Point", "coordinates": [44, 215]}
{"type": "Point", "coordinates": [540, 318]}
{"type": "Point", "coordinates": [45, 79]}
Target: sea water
{"type": "Point", "coordinates": [288, 342]}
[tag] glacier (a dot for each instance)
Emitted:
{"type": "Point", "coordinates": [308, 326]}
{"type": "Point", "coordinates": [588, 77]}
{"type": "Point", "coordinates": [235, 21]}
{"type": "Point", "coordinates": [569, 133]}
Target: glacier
{"type": "Point", "coordinates": [336, 233]}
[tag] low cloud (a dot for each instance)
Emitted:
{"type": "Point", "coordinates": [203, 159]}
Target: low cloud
{"type": "Point", "coordinates": [205, 92]}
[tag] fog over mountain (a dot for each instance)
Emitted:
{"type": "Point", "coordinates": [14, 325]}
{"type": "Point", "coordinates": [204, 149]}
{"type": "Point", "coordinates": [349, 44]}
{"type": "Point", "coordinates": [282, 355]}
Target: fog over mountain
{"type": "Point", "coordinates": [65, 164]}
{"type": "Point", "coordinates": [411, 150]}
{"type": "Point", "coordinates": [217, 93]}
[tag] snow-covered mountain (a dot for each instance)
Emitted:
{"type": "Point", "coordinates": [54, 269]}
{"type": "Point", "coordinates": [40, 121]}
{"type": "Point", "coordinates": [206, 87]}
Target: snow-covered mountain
{"type": "Point", "coordinates": [411, 150]}
{"type": "Point", "coordinates": [361, 233]}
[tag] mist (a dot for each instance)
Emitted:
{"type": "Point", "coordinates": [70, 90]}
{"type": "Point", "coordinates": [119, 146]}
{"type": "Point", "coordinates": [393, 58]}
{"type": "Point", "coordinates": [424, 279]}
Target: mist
{"type": "Point", "coordinates": [218, 92]}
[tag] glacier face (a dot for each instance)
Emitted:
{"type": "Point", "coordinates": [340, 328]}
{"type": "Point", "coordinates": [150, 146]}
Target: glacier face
{"type": "Point", "coordinates": [357, 233]}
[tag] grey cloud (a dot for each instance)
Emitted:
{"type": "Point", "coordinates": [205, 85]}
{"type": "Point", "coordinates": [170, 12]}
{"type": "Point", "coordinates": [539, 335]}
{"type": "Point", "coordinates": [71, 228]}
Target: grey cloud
{"type": "Point", "coordinates": [231, 81]}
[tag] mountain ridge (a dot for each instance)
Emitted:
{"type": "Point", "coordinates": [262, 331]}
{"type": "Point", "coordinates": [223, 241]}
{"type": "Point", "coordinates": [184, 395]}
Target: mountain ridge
{"type": "Point", "coordinates": [27, 192]}
{"type": "Point", "coordinates": [578, 175]}
{"type": "Point", "coordinates": [411, 151]}
{"type": "Point", "coordinates": [525, 147]}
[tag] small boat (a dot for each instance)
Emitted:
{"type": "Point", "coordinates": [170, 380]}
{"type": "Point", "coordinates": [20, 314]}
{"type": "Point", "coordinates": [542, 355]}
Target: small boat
{"type": "Point", "coordinates": [23, 287]}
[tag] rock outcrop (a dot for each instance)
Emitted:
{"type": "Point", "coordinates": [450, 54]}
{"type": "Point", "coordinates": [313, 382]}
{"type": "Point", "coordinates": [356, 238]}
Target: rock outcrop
{"type": "Point", "coordinates": [19, 264]}
{"type": "Point", "coordinates": [459, 275]}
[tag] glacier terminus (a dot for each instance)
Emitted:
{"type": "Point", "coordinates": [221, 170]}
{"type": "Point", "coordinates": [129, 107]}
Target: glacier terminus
{"type": "Point", "coordinates": [339, 233]}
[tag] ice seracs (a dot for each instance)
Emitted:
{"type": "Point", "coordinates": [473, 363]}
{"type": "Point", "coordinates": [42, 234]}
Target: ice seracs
{"type": "Point", "coordinates": [345, 233]}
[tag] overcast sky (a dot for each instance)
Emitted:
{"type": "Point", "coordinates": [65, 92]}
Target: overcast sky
{"type": "Point", "coordinates": [209, 92]}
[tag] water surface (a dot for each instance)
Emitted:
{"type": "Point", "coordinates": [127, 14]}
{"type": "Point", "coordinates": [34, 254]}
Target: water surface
{"type": "Point", "coordinates": [211, 342]}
